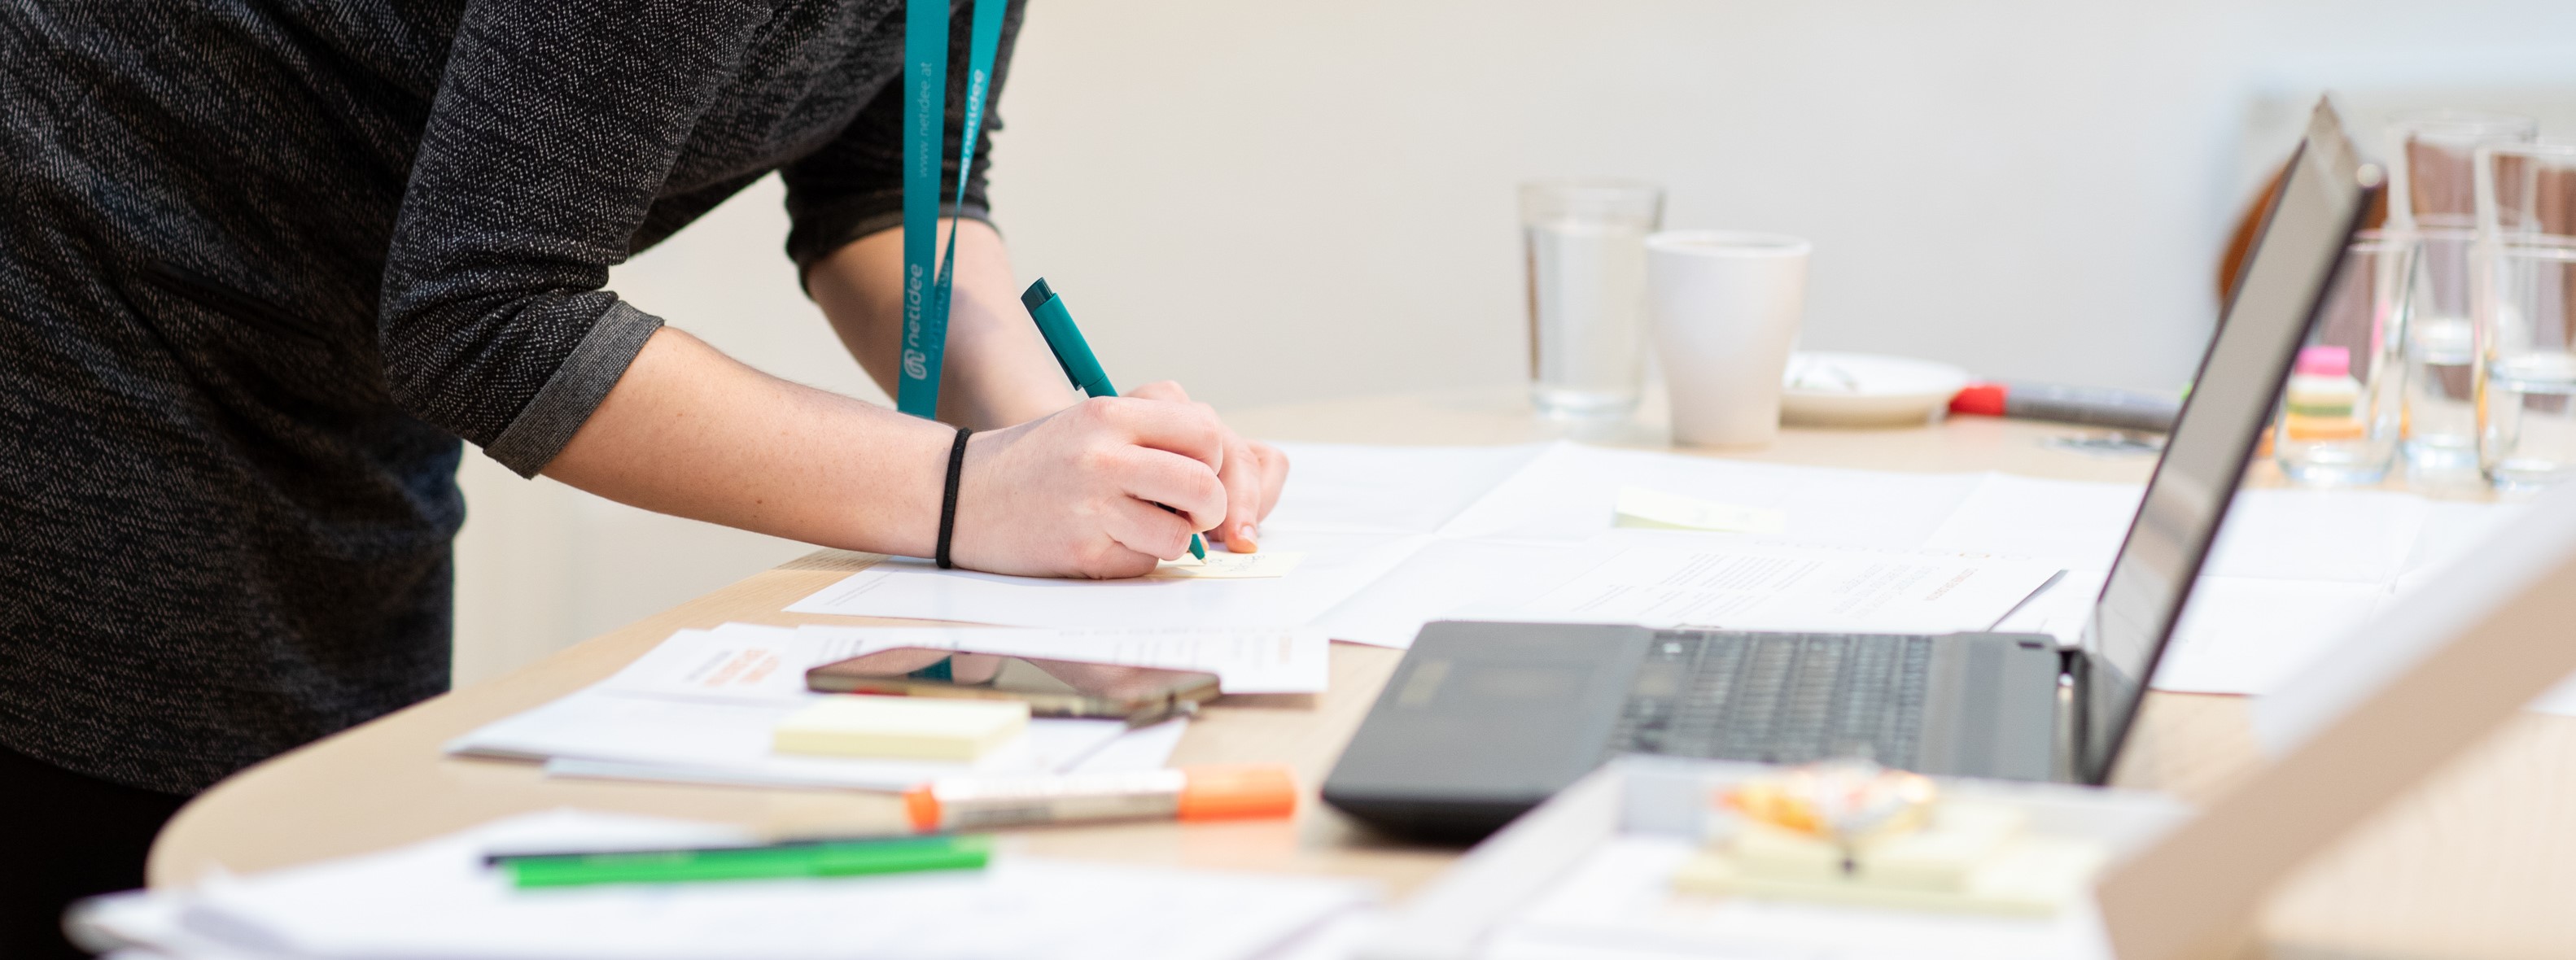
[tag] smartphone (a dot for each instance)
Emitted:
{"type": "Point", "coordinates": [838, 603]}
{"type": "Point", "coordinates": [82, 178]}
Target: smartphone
{"type": "Point", "coordinates": [1052, 688]}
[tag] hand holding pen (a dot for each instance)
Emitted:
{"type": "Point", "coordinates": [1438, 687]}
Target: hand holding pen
{"type": "Point", "coordinates": [1252, 472]}
{"type": "Point", "coordinates": [1125, 482]}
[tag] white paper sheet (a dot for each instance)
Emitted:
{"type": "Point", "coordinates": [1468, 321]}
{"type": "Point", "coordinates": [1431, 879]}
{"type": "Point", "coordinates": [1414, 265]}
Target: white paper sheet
{"type": "Point", "coordinates": [1336, 565]}
{"type": "Point", "coordinates": [2058, 609]}
{"type": "Point", "coordinates": [1569, 493]}
{"type": "Point", "coordinates": [1446, 578]}
{"type": "Point", "coordinates": [1349, 488]}
{"type": "Point", "coordinates": [2422, 620]}
{"type": "Point", "coordinates": [733, 662]}
{"type": "Point", "coordinates": [731, 741]}
{"type": "Point", "coordinates": [2345, 536]}
{"type": "Point", "coordinates": [1646, 508]}
{"type": "Point", "coordinates": [2293, 572]}
{"type": "Point", "coordinates": [2252, 634]}
{"type": "Point", "coordinates": [438, 899]}
{"type": "Point", "coordinates": [1144, 748]}
{"type": "Point", "coordinates": [1712, 580]}
{"type": "Point", "coordinates": [2077, 524]}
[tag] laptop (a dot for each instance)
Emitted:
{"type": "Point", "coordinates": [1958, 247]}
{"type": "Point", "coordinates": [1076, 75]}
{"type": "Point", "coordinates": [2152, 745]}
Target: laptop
{"type": "Point", "coordinates": [1482, 721]}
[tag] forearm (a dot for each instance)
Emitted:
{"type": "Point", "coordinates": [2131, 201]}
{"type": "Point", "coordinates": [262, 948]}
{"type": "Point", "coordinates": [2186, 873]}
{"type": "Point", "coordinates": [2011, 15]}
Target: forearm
{"type": "Point", "coordinates": [996, 371]}
{"type": "Point", "coordinates": [692, 432]}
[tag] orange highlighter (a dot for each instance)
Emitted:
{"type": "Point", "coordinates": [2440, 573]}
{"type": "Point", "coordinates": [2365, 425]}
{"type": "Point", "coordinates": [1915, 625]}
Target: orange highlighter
{"type": "Point", "coordinates": [1186, 793]}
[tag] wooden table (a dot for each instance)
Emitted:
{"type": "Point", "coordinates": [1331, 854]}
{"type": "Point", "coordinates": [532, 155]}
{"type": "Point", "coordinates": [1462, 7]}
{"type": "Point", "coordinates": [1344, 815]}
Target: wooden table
{"type": "Point", "coordinates": [2480, 862]}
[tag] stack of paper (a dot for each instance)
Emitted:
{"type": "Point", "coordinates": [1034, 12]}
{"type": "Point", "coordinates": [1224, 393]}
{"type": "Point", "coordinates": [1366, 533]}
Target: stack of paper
{"type": "Point", "coordinates": [702, 705]}
{"type": "Point", "coordinates": [1393, 537]}
{"type": "Point", "coordinates": [438, 899]}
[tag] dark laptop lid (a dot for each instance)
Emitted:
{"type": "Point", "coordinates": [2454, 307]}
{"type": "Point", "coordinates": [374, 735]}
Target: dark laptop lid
{"type": "Point", "coordinates": [2284, 280]}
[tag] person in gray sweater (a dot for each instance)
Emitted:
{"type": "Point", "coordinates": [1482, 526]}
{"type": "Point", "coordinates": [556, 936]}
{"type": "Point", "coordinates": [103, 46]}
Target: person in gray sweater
{"type": "Point", "coordinates": [264, 264]}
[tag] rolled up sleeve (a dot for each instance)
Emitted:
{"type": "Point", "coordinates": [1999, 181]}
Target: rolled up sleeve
{"type": "Point", "coordinates": [554, 127]}
{"type": "Point", "coordinates": [853, 186]}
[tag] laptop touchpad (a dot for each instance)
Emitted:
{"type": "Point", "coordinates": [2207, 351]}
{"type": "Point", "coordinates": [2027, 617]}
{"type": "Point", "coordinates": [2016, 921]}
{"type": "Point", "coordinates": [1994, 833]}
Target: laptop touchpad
{"type": "Point", "coordinates": [1495, 711]}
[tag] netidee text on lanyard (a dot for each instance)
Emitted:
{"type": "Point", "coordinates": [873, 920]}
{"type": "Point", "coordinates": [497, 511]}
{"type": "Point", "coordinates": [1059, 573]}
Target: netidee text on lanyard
{"type": "Point", "coordinates": [925, 115]}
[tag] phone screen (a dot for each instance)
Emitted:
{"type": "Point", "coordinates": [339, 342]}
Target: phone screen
{"type": "Point", "coordinates": [912, 669]}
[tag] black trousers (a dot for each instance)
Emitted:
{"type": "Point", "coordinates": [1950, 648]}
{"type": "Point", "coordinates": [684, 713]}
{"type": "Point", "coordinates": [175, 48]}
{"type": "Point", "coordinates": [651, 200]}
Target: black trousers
{"type": "Point", "coordinates": [64, 836]}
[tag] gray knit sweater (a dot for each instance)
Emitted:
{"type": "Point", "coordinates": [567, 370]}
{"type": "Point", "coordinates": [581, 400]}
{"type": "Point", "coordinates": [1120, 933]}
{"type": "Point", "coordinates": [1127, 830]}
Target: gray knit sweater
{"type": "Point", "coordinates": [263, 262]}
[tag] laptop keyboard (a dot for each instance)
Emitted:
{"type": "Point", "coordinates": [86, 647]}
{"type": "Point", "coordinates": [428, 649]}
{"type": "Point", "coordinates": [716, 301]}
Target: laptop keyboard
{"type": "Point", "coordinates": [1778, 697]}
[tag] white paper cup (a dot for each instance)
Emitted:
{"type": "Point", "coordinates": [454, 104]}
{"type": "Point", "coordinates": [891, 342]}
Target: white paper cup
{"type": "Point", "coordinates": [1725, 308]}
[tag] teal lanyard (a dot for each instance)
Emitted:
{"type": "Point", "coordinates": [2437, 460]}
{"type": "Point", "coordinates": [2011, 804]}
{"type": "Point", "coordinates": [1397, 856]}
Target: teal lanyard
{"type": "Point", "coordinates": [925, 115]}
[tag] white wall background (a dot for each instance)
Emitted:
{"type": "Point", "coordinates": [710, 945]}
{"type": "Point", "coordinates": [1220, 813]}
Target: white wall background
{"type": "Point", "coordinates": [1274, 201]}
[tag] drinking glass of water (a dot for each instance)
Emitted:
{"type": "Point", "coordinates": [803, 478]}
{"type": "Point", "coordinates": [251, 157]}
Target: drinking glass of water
{"type": "Point", "coordinates": [2524, 273]}
{"type": "Point", "coordinates": [1586, 246]}
{"type": "Point", "coordinates": [2527, 377]}
{"type": "Point", "coordinates": [2441, 355]}
{"type": "Point", "coordinates": [2432, 156]}
{"type": "Point", "coordinates": [2340, 413]}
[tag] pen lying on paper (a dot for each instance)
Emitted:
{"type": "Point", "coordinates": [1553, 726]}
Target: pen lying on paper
{"type": "Point", "coordinates": [804, 858]}
{"type": "Point", "coordinates": [1073, 353]}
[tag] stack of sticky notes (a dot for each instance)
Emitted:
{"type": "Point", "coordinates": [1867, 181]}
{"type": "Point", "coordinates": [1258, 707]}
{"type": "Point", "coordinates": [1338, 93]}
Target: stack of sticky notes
{"type": "Point", "coordinates": [907, 728]}
{"type": "Point", "coordinates": [1970, 857]}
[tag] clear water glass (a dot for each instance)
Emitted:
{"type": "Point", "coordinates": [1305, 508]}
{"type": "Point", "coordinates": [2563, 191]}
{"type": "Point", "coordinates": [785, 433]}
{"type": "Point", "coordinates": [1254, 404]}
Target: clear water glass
{"type": "Point", "coordinates": [1585, 242]}
{"type": "Point", "coordinates": [2527, 381]}
{"type": "Point", "coordinates": [2441, 416]}
{"type": "Point", "coordinates": [2432, 178]}
{"type": "Point", "coordinates": [2342, 410]}
{"type": "Point", "coordinates": [2526, 189]}
{"type": "Point", "coordinates": [2432, 186]}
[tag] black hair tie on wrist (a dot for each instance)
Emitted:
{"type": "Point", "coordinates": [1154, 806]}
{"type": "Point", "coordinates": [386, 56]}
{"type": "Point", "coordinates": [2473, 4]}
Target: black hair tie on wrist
{"type": "Point", "coordinates": [948, 499]}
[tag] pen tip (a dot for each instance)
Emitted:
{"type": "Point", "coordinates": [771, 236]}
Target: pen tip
{"type": "Point", "coordinates": [1198, 548]}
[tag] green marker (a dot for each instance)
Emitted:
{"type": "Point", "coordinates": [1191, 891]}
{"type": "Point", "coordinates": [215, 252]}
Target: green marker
{"type": "Point", "coordinates": [818, 858]}
{"type": "Point", "coordinates": [1073, 353]}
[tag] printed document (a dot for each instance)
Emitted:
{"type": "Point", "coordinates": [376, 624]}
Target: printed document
{"type": "Point", "coordinates": [439, 899]}
{"type": "Point", "coordinates": [1757, 586]}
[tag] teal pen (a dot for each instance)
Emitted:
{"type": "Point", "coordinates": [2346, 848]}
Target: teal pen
{"type": "Point", "coordinates": [1073, 353]}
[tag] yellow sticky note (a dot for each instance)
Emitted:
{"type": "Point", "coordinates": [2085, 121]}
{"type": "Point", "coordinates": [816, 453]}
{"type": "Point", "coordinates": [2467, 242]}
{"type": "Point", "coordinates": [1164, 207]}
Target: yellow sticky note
{"type": "Point", "coordinates": [1228, 566]}
{"type": "Point", "coordinates": [1972, 858]}
{"type": "Point", "coordinates": [1657, 510]}
{"type": "Point", "coordinates": [910, 728]}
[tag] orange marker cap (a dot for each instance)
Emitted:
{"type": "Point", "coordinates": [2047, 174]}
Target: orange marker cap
{"type": "Point", "coordinates": [1241, 792]}
{"type": "Point", "coordinates": [922, 807]}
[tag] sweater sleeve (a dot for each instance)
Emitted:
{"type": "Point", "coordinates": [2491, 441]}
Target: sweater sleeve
{"type": "Point", "coordinates": [853, 186]}
{"type": "Point", "coordinates": [554, 126]}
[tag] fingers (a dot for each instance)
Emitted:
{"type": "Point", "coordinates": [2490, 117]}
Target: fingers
{"type": "Point", "coordinates": [1161, 390]}
{"type": "Point", "coordinates": [1146, 533]}
{"type": "Point", "coordinates": [1254, 474]}
{"type": "Point", "coordinates": [1244, 503]}
{"type": "Point", "coordinates": [1175, 482]}
{"type": "Point", "coordinates": [1189, 429]}
{"type": "Point", "coordinates": [1274, 475]}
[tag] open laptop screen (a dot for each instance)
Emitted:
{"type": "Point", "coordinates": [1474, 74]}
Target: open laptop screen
{"type": "Point", "coordinates": [2302, 242]}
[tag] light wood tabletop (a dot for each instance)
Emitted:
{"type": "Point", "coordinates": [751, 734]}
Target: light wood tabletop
{"type": "Point", "coordinates": [2479, 862]}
